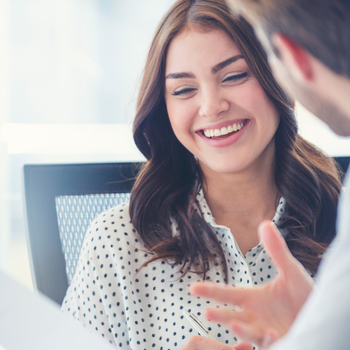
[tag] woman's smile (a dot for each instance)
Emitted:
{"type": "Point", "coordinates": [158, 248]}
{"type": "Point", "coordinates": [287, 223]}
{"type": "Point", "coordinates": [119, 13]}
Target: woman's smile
{"type": "Point", "coordinates": [222, 136]}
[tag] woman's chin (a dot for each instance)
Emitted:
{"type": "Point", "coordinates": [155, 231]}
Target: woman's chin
{"type": "Point", "coordinates": [223, 167]}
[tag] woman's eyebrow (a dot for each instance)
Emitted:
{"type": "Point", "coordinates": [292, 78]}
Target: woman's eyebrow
{"type": "Point", "coordinates": [214, 70]}
{"type": "Point", "coordinates": [225, 63]}
{"type": "Point", "coordinates": [180, 75]}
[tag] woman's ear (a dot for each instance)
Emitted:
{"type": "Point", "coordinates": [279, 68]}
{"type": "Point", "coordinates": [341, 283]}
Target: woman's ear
{"type": "Point", "coordinates": [294, 58]}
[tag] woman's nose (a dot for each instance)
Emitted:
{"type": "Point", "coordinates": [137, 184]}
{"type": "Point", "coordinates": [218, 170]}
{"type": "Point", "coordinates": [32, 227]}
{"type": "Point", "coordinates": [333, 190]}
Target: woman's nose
{"type": "Point", "coordinates": [213, 104]}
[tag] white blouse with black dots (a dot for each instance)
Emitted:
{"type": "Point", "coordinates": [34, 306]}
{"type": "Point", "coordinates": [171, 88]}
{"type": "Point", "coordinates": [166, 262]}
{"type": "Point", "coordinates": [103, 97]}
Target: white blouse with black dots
{"type": "Point", "coordinates": [143, 310]}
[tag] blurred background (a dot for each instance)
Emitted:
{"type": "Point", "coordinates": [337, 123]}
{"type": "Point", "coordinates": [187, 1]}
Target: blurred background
{"type": "Point", "coordinates": [69, 74]}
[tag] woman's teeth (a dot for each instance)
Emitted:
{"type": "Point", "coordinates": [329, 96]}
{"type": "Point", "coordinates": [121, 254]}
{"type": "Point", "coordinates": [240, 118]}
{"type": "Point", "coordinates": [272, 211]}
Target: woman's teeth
{"type": "Point", "coordinates": [223, 131]}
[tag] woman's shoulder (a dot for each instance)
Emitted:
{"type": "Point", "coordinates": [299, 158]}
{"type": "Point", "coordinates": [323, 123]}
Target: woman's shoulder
{"type": "Point", "coordinates": [118, 215]}
{"type": "Point", "coordinates": [114, 224]}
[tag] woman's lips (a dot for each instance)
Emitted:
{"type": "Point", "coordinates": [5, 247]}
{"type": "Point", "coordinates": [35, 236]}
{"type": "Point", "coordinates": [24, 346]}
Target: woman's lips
{"type": "Point", "coordinates": [224, 137]}
{"type": "Point", "coordinates": [224, 131]}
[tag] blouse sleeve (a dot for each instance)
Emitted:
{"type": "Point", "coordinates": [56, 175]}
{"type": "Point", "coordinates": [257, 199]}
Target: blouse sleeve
{"type": "Point", "coordinates": [95, 288]}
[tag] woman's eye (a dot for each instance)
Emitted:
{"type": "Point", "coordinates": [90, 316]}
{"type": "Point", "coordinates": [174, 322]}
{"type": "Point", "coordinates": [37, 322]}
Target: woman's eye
{"type": "Point", "coordinates": [182, 92]}
{"type": "Point", "coordinates": [235, 77]}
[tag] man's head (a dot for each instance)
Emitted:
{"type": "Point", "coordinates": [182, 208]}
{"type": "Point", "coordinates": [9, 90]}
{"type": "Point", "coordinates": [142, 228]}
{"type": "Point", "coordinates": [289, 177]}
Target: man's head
{"type": "Point", "coordinates": [308, 45]}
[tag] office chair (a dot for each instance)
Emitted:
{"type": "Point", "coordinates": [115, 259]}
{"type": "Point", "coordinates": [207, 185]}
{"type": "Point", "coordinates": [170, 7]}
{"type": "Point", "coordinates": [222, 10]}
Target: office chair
{"type": "Point", "coordinates": [343, 162]}
{"type": "Point", "coordinates": [61, 200]}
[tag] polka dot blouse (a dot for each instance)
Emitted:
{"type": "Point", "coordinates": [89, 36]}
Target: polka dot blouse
{"type": "Point", "coordinates": [142, 309]}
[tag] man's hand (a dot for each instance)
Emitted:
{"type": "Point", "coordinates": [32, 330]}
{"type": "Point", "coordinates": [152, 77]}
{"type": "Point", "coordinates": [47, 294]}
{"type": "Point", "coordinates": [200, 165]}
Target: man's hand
{"type": "Point", "coordinates": [265, 312]}
{"type": "Point", "coordinates": [202, 343]}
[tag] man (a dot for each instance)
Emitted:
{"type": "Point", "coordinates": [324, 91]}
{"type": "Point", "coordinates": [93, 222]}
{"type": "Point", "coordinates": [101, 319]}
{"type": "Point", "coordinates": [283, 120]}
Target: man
{"type": "Point", "coordinates": [308, 46]}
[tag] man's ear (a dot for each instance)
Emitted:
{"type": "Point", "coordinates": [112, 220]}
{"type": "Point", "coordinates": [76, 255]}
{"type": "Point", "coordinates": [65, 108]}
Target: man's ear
{"type": "Point", "coordinates": [294, 57]}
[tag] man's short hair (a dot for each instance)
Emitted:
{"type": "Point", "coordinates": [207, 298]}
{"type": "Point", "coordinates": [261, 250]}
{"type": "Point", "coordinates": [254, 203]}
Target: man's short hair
{"type": "Point", "coordinates": [321, 27]}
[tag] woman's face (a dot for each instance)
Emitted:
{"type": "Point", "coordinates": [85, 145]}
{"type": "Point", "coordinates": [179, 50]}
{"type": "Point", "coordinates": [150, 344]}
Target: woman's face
{"type": "Point", "coordinates": [216, 107]}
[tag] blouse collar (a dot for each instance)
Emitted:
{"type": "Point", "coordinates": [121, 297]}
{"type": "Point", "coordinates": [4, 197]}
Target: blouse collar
{"type": "Point", "coordinates": [208, 217]}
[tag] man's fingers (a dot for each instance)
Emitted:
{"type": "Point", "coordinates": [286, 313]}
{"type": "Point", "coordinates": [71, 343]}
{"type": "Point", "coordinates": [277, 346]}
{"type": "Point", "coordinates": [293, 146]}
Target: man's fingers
{"type": "Point", "coordinates": [222, 293]}
{"type": "Point", "coordinates": [203, 343]}
{"type": "Point", "coordinates": [247, 332]}
{"type": "Point", "coordinates": [275, 245]}
{"type": "Point", "coordinates": [243, 346]}
{"type": "Point", "coordinates": [253, 334]}
{"type": "Point", "coordinates": [225, 316]}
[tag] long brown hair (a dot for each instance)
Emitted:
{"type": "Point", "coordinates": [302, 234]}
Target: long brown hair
{"type": "Point", "coordinates": [165, 190]}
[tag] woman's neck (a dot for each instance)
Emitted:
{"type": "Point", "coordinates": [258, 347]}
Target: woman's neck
{"type": "Point", "coordinates": [241, 201]}
{"type": "Point", "coordinates": [241, 194]}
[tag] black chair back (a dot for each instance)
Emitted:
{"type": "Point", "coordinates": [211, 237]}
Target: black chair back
{"type": "Point", "coordinates": [61, 200]}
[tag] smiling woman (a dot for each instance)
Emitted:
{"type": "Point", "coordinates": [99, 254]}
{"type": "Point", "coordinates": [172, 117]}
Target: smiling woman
{"type": "Point", "coordinates": [213, 91]}
{"type": "Point", "coordinates": [223, 153]}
